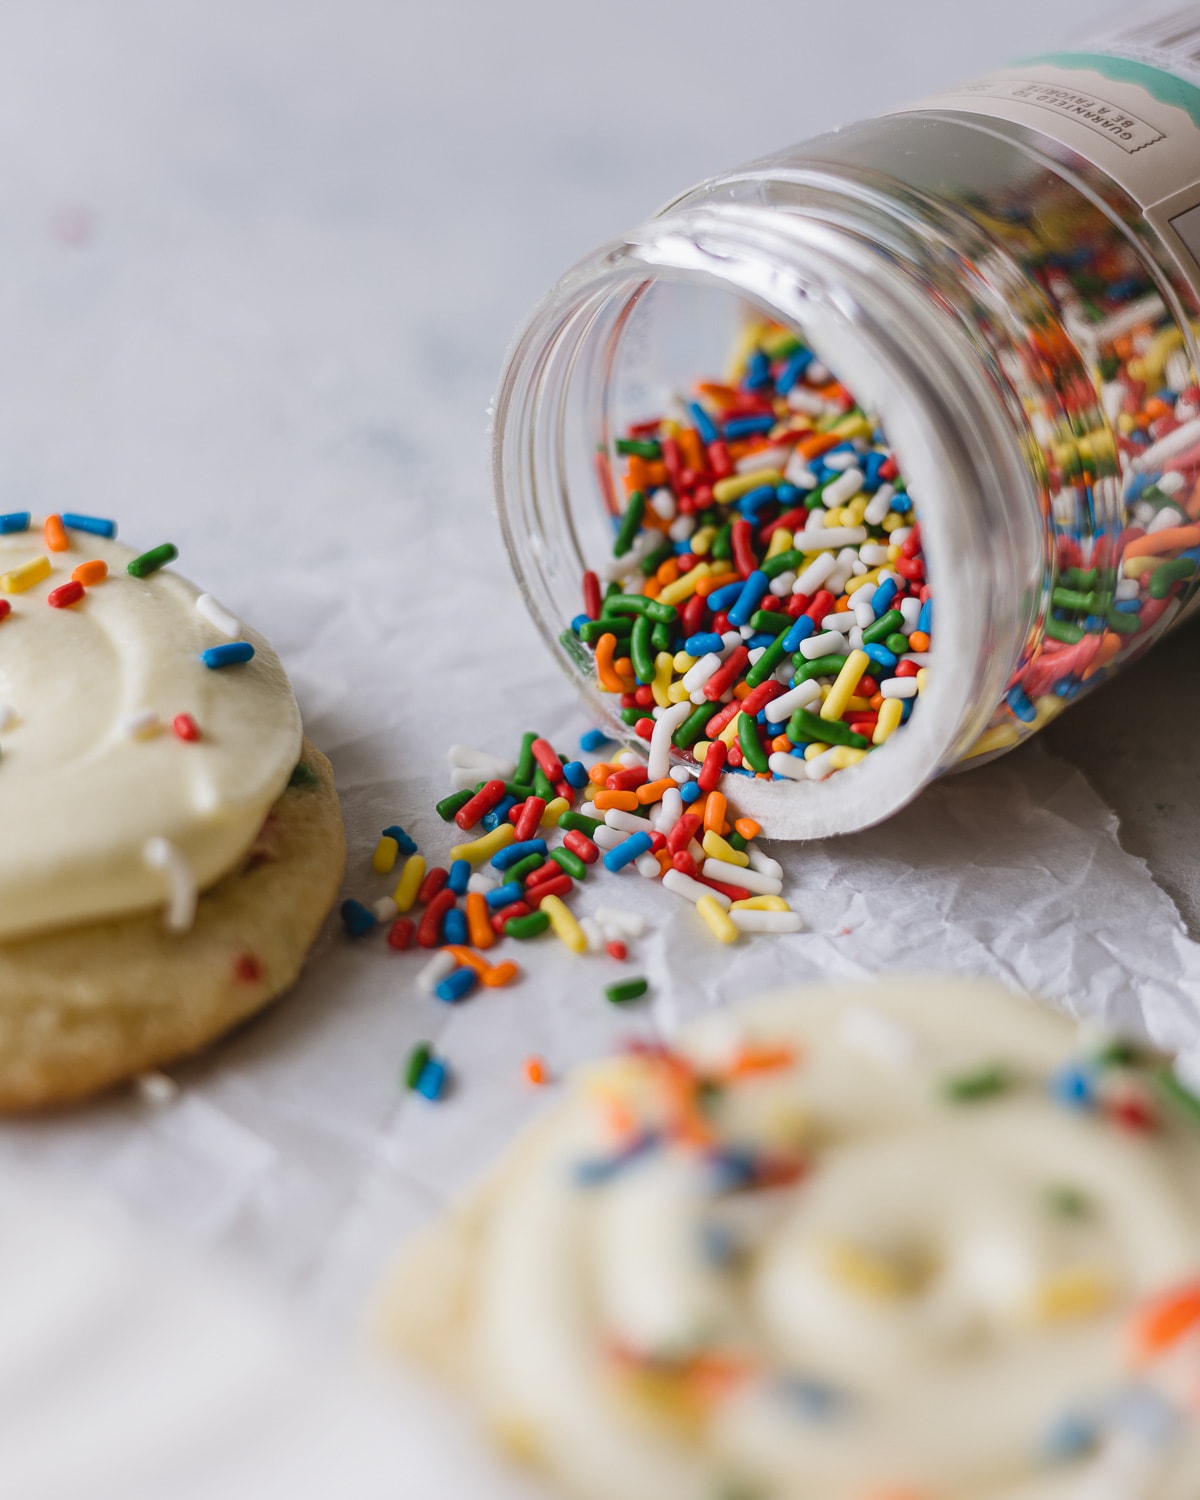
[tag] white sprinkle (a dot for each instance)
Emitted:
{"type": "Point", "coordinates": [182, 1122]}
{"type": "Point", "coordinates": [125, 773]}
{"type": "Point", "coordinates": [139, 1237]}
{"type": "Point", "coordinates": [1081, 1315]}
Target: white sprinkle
{"type": "Point", "coordinates": [749, 880]}
{"type": "Point", "coordinates": [750, 920]}
{"type": "Point", "coordinates": [647, 866]}
{"type": "Point", "coordinates": [441, 964]}
{"type": "Point", "coordinates": [626, 923]}
{"type": "Point", "coordinates": [218, 616]}
{"type": "Point", "coordinates": [829, 643]}
{"type": "Point", "coordinates": [763, 863]}
{"type": "Point", "coordinates": [669, 811]}
{"type": "Point", "coordinates": [841, 620]}
{"type": "Point", "coordinates": [831, 537]}
{"type": "Point", "coordinates": [629, 758]}
{"type": "Point", "coordinates": [879, 505]}
{"type": "Point", "coordinates": [782, 708]}
{"type": "Point", "coordinates": [156, 1088]}
{"type": "Point", "coordinates": [681, 528]}
{"type": "Point", "coordinates": [490, 767]}
{"type": "Point", "coordinates": [659, 761]}
{"type": "Point", "coordinates": [662, 503]}
{"type": "Point", "coordinates": [843, 489]}
{"type": "Point", "coordinates": [480, 883]}
{"type": "Point", "coordinates": [791, 767]}
{"type": "Point", "coordinates": [182, 894]}
{"type": "Point", "coordinates": [692, 890]}
{"type": "Point", "coordinates": [1168, 516]}
{"type": "Point", "coordinates": [698, 674]}
{"type": "Point", "coordinates": [385, 909]}
{"type": "Point", "coordinates": [814, 575]}
{"type": "Point", "coordinates": [1175, 443]}
{"type": "Point", "coordinates": [591, 931]}
{"type": "Point", "coordinates": [608, 838]}
{"type": "Point", "coordinates": [873, 1034]}
{"type": "Point", "coordinates": [141, 726]}
{"type": "Point", "coordinates": [899, 687]}
{"type": "Point", "coordinates": [625, 822]}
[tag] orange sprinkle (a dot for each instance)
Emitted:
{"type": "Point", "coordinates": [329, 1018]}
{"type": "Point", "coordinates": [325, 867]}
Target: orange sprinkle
{"type": "Point", "coordinates": [711, 584]}
{"type": "Point", "coordinates": [816, 444]}
{"type": "Point", "coordinates": [637, 471]}
{"type": "Point", "coordinates": [469, 957]}
{"type": "Point", "coordinates": [714, 813]}
{"type": "Point", "coordinates": [478, 925]}
{"type": "Point", "coordinates": [1164, 1320]}
{"type": "Point", "coordinates": [691, 448]}
{"type": "Point", "coordinates": [723, 395]}
{"type": "Point", "coordinates": [624, 669]}
{"type": "Point", "coordinates": [536, 1071]}
{"type": "Point", "coordinates": [89, 573]}
{"type": "Point", "coordinates": [760, 1060]}
{"type": "Point", "coordinates": [664, 860]}
{"type": "Point", "coordinates": [747, 827]}
{"type": "Point", "coordinates": [919, 641]}
{"type": "Point", "coordinates": [668, 572]}
{"type": "Point", "coordinates": [656, 474]}
{"type": "Point", "coordinates": [782, 746]}
{"type": "Point", "coordinates": [606, 673]}
{"type": "Point", "coordinates": [500, 974]}
{"type": "Point", "coordinates": [55, 534]}
{"type": "Point", "coordinates": [652, 588]}
{"type": "Point", "coordinates": [742, 689]}
{"type": "Point", "coordinates": [1170, 539]}
{"type": "Point", "coordinates": [652, 791]}
{"type": "Point", "coordinates": [875, 701]}
{"type": "Point", "coordinates": [626, 801]}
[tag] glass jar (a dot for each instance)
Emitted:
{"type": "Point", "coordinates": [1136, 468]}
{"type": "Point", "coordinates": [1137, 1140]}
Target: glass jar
{"type": "Point", "coordinates": [1024, 335]}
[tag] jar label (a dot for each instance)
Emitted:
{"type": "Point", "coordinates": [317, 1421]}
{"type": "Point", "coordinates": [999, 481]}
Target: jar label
{"type": "Point", "coordinates": [1128, 101]}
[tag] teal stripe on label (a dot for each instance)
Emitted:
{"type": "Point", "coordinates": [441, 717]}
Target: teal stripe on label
{"type": "Point", "coordinates": [1167, 88]}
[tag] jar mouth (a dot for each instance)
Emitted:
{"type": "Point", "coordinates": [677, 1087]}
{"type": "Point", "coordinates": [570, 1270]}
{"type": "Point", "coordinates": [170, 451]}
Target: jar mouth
{"type": "Point", "coordinates": [905, 357]}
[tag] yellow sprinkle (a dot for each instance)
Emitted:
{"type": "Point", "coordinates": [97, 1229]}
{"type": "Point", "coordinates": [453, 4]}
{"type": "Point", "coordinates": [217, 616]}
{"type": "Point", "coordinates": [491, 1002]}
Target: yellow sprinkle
{"type": "Point", "coordinates": [566, 928]}
{"type": "Point", "coordinates": [410, 882]}
{"type": "Point", "coordinates": [864, 580]}
{"type": "Point", "coordinates": [738, 485]}
{"type": "Point", "coordinates": [856, 509]}
{"type": "Point", "coordinates": [25, 576]}
{"type": "Point", "coordinates": [678, 693]}
{"type": "Point", "coordinates": [868, 1274]}
{"type": "Point", "coordinates": [683, 588]}
{"type": "Point", "coordinates": [700, 749]}
{"type": "Point", "coordinates": [852, 427]}
{"type": "Point", "coordinates": [781, 541]}
{"type": "Point", "coordinates": [1134, 567]}
{"type": "Point", "coordinates": [858, 705]}
{"type": "Point", "coordinates": [1125, 424]}
{"type": "Point", "coordinates": [842, 757]}
{"type": "Point", "coordinates": [716, 847]}
{"type": "Point", "coordinates": [701, 540]}
{"type": "Point", "coordinates": [892, 522]}
{"type": "Point", "coordinates": [554, 810]}
{"type": "Point", "coordinates": [994, 739]}
{"type": "Point", "coordinates": [384, 857]}
{"type": "Point", "coordinates": [812, 751]}
{"type": "Point", "coordinates": [730, 732]}
{"type": "Point", "coordinates": [1077, 1292]}
{"type": "Point", "coordinates": [843, 688]}
{"type": "Point", "coordinates": [890, 713]}
{"type": "Point", "coordinates": [589, 791]}
{"type": "Point", "coordinates": [717, 919]}
{"type": "Point", "coordinates": [664, 670]}
{"type": "Point", "coordinates": [1049, 706]}
{"type": "Point", "coordinates": [747, 342]}
{"type": "Point", "coordinates": [1159, 350]}
{"type": "Point", "coordinates": [480, 849]}
{"type": "Point", "coordinates": [922, 680]}
{"type": "Point", "coordinates": [761, 903]}
{"type": "Point", "coordinates": [682, 662]}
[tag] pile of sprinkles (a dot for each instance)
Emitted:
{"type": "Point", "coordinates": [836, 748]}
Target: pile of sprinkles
{"type": "Point", "coordinates": [539, 826]}
{"type": "Point", "coordinates": [766, 598]}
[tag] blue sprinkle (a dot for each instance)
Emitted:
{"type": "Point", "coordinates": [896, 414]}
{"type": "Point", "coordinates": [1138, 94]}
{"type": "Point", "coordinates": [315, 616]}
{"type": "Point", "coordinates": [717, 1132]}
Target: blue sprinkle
{"type": "Point", "coordinates": [408, 845]}
{"type": "Point", "coordinates": [97, 525]}
{"type": "Point", "coordinates": [753, 500]}
{"type": "Point", "coordinates": [1094, 624]}
{"type": "Point", "coordinates": [722, 598]}
{"type": "Point", "coordinates": [702, 644]}
{"type": "Point", "coordinates": [812, 1397]}
{"type": "Point", "coordinates": [455, 986]}
{"type": "Point", "coordinates": [504, 895]}
{"type": "Point", "coordinates": [454, 926]}
{"type": "Point", "coordinates": [15, 520]}
{"type": "Point", "coordinates": [680, 547]}
{"type": "Point", "coordinates": [592, 740]}
{"type": "Point", "coordinates": [460, 873]}
{"type": "Point", "coordinates": [689, 791]}
{"type": "Point", "coordinates": [599, 1170]}
{"type": "Point", "coordinates": [881, 656]}
{"type": "Point", "coordinates": [575, 773]}
{"type": "Point", "coordinates": [732, 1169]}
{"type": "Point", "coordinates": [499, 814]}
{"type": "Point", "coordinates": [356, 918]}
{"type": "Point", "coordinates": [514, 853]}
{"type": "Point", "coordinates": [741, 427]}
{"type": "Point", "coordinates": [1128, 606]}
{"type": "Point", "coordinates": [1072, 1086]}
{"type": "Point", "coordinates": [787, 495]}
{"type": "Point", "coordinates": [1070, 1437]}
{"type": "Point", "coordinates": [906, 710]}
{"type": "Point", "coordinates": [901, 504]}
{"type": "Point", "coordinates": [1018, 700]}
{"type": "Point", "coordinates": [703, 422]}
{"type": "Point", "coordinates": [750, 596]}
{"type": "Point", "coordinates": [580, 621]}
{"type": "Point", "coordinates": [763, 638]}
{"type": "Point", "coordinates": [925, 618]}
{"type": "Point", "coordinates": [228, 655]}
{"type": "Point", "coordinates": [881, 599]}
{"type": "Point", "coordinates": [432, 1082]}
{"type": "Point", "coordinates": [793, 370]}
{"type": "Point", "coordinates": [626, 852]}
{"type": "Point", "coordinates": [800, 631]}
{"type": "Point", "coordinates": [758, 373]}
{"type": "Point", "coordinates": [718, 1245]}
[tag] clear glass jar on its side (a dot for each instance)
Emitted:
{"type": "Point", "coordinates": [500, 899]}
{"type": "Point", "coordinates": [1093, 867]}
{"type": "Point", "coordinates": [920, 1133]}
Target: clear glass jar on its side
{"type": "Point", "coordinates": [971, 282]}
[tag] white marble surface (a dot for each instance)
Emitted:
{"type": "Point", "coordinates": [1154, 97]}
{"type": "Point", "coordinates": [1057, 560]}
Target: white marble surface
{"type": "Point", "coordinates": [261, 262]}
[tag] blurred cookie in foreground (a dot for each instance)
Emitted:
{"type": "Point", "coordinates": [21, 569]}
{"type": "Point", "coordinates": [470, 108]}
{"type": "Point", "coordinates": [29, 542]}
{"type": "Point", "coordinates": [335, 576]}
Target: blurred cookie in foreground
{"type": "Point", "coordinates": [913, 1240]}
{"type": "Point", "coordinates": [170, 845]}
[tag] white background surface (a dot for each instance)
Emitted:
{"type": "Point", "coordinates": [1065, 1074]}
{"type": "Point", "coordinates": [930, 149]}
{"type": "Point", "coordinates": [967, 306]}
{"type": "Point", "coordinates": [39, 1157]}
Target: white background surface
{"type": "Point", "coordinates": [260, 265]}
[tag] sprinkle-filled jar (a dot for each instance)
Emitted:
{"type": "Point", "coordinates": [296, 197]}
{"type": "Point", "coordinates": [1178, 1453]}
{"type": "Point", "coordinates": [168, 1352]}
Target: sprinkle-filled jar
{"type": "Point", "coordinates": [960, 341]}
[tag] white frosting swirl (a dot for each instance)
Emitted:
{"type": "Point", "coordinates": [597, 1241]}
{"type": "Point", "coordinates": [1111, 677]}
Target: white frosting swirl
{"type": "Point", "coordinates": [83, 785]}
{"type": "Point", "coordinates": [936, 1305]}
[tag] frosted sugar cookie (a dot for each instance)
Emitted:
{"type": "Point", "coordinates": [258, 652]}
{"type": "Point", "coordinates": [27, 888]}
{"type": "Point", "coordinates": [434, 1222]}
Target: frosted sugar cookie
{"type": "Point", "coordinates": [169, 848]}
{"type": "Point", "coordinates": [914, 1240]}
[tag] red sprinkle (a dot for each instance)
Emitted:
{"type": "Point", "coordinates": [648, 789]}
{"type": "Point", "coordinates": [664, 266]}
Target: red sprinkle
{"type": "Point", "coordinates": [487, 797]}
{"type": "Point", "coordinates": [544, 754]}
{"type": "Point", "coordinates": [186, 727]}
{"type": "Point", "coordinates": [429, 930]}
{"type": "Point", "coordinates": [617, 950]}
{"type": "Point", "coordinates": [400, 933]}
{"type": "Point", "coordinates": [579, 843]}
{"type": "Point", "coordinates": [65, 594]}
{"type": "Point", "coordinates": [435, 880]}
{"type": "Point", "coordinates": [247, 968]}
{"type": "Point", "coordinates": [530, 819]}
{"type": "Point", "coordinates": [5, 608]}
{"type": "Point", "coordinates": [714, 764]}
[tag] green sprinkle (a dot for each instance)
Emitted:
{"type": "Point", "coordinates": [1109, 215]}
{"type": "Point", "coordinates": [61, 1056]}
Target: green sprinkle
{"type": "Point", "coordinates": [767, 662]}
{"type": "Point", "coordinates": [1177, 1093]}
{"type": "Point", "coordinates": [580, 822]}
{"type": "Point", "coordinates": [770, 619]}
{"type": "Point", "coordinates": [782, 562]}
{"type": "Point", "coordinates": [626, 990]}
{"type": "Point", "coordinates": [630, 716]}
{"type": "Point", "coordinates": [630, 525]}
{"type": "Point", "coordinates": [897, 644]}
{"type": "Point", "coordinates": [1080, 578]}
{"type": "Point", "coordinates": [524, 867]}
{"type": "Point", "coordinates": [519, 789]}
{"type": "Point", "coordinates": [448, 806]}
{"type": "Point", "coordinates": [654, 560]}
{"type": "Point", "coordinates": [524, 770]}
{"type": "Point", "coordinates": [660, 637]}
{"type": "Point", "coordinates": [805, 728]}
{"type": "Point", "coordinates": [150, 562]}
{"type": "Point", "coordinates": [639, 448]}
{"type": "Point", "coordinates": [819, 666]}
{"type": "Point", "coordinates": [639, 604]}
{"type": "Point", "coordinates": [591, 630]}
{"type": "Point", "coordinates": [876, 634]}
{"type": "Point", "coordinates": [530, 926]}
{"type": "Point", "coordinates": [1068, 1202]}
{"type": "Point", "coordinates": [1090, 603]}
{"type": "Point", "coordinates": [984, 1083]}
{"type": "Point", "coordinates": [1061, 630]}
{"type": "Point", "coordinates": [303, 775]}
{"type": "Point", "coordinates": [641, 651]}
{"type": "Point", "coordinates": [542, 785]}
{"type": "Point", "coordinates": [722, 547]}
{"type": "Point", "coordinates": [736, 841]}
{"type": "Point", "coordinates": [569, 862]}
{"type": "Point", "coordinates": [1168, 574]}
{"type": "Point", "coordinates": [693, 726]}
{"type": "Point", "coordinates": [415, 1066]}
{"type": "Point", "coordinates": [1122, 623]}
{"type": "Point", "coordinates": [1116, 1054]}
{"type": "Point", "coordinates": [753, 753]}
